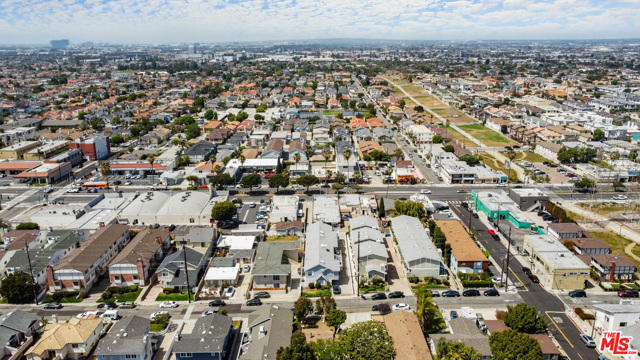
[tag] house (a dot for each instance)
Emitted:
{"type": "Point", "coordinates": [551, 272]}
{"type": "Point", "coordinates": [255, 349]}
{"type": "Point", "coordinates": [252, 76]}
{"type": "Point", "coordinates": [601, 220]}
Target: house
{"type": "Point", "coordinates": [201, 151]}
{"type": "Point", "coordinates": [615, 317]}
{"type": "Point", "coordinates": [557, 268]}
{"type": "Point", "coordinates": [417, 252]}
{"type": "Point", "coordinates": [17, 331]}
{"type": "Point", "coordinates": [548, 150]}
{"type": "Point", "coordinates": [273, 149]}
{"type": "Point", "coordinates": [613, 266]}
{"type": "Point", "coordinates": [73, 339]}
{"type": "Point", "coordinates": [566, 230]}
{"type": "Point", "coordinates": [171, 272]}
{"type": "Point", "coordinates": [269, 329]}
{"type": "Point", "coordinates": [133, 265]}
{"type": "Point", "coordinates": [223, 270]}
{"type": "Point", "coordinates": [297, 147]}
{"type": "Point", "coordinates": [200, 239]}
{"type": "Point", "coordinates": [289, 228]}
{"type": "Point", "coordinates": [323, 258]}
{"type": "Point", "coordinates": [634, 345]}
{"type": "Point", "coordinates": [284, 208]}
{"type": "Point", "coordinates": [371, 249]}
{"type": "Point", "coordinates": [464, 331]}
{"type": "Point", "coordinates": [273, 264]}
{"type": "Point", "coordinates": [238, 248]}
{"type": "Point", "coordinates": [208, 340]}
{"type": "Point", "coordinates": [466, 256]}
{"type": "Point", "coordinates": [408, 339]}
{"type": "Point", "coordinates": [128, 338]}
{"type": "Point", "coordinates": [326, 209]}
{"type": "Point", "coordinates": [80, 269]}
{"type": "Point", "coordinates": [590, 246]}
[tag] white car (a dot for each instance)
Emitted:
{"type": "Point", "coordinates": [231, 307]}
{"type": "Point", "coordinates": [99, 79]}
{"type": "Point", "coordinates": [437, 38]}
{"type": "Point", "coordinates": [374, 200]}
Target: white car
{"type": "Point", "coordinates": [496, 280]}
{"type": "Point", "coordinates": [129, 182]}
{"type": "Point", "coordinates": [208, 312]}
{"type": "Point", "coordinates": [619, 197]}
{"type": "Point", "coordinates": [252, 204]}
{"type": "Point", "coordinates": [425, 191]}
{"type": "Point", "coordinates": [128, 176]}
{"type": "Point", "coordinates": [158, 313]}
{"type": "Point", "coordinates": [86, 313]}
{"type": "Point", "coordinates": [169, 304]}
{"type": "Point", "coordinates": [502, 185]}
{"type": "Point", "coordinates": [401, 306]}
{"type": "Point", "coordinates": [229, 292]}
{"type": "Point", "coordinates": [74, 190]}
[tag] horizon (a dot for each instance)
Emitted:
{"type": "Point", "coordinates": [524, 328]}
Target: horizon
{"type": "Point", "coordinates": [220, 21]}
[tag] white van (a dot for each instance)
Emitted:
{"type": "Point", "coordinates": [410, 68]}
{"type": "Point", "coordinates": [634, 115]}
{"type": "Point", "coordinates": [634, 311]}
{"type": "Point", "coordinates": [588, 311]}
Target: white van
{"type": "Point", "coordinates": [111, 315]}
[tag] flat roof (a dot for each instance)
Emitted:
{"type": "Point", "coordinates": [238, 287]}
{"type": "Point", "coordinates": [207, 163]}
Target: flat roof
{"type": "Point", "coordinates": [413, 240]}
{"type": "Point", "coordinates": [498, 199]}
{"type": "Point", "coordinates": [19, 145]}
{"type": "Point", "coordinates": [326, 208]}
{"type": "Point", "coordinates": [554, 253]}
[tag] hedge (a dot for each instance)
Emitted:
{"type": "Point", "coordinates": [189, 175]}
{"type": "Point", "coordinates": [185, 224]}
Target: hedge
{"type": "Point", "coordinates": [477, 284]}
{"type": "Point", "coordinates": [583, 315]}
{"type": "Point", "coordinates": [122, 289]}
{"type": "Point", "coordinates": [59, 295]}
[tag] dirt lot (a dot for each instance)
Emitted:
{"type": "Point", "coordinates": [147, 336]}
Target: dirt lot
{"type": "Point", "coordinates": [414, 89]}
{"type": "Point", "coordinates": [454, 115]}
{"type": "Point", "coordinates": [461, 139]}
{"type": "Point", "coordinates": [430, 101]}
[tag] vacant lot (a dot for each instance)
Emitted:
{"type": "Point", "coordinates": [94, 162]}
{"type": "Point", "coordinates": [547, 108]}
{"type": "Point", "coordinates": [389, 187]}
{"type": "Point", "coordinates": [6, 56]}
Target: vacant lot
{"type": "Point", "coordinates": [410, 104]}
{"type": "Point", "coordinates": [528, 156]}
{"type": "Point", "coordinates": [413, 89]}
{"type": "Point", "coordinates": [498, 165]}
{"type": "Point", "coordinates": [487, 136]}
{"type": "Point", "coordinates": [429, 101]}
{"type": "Point", "coordinates": [451, 133]}
{"type": "Point", "coordinates": [617, 243]}
{"type": "Point", "coordinates": [454, 115]}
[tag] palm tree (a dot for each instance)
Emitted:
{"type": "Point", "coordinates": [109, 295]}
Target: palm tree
{"type": "Point", "coordinates": [329, 175]}
{"type": "Point", "coordinates": [217, 169]}
{"type": "Point", "coordinates": [510, 155]}
{"type": "Point", "coordinates": [326, 154]}
{"type": "Point", "coordinates": [151, 159]}
{"type": "Point", "coordinates": [388, 172]}
{"type": "Point", "coordinates": [398, 153]}
{"type": "Point", "coordinates": [296, 158]}
{"type": "Point", "coordinates": [346, 153]}
{"type": "Point", "coordinates": [105, 170]}
{"type": "Point", "coordinates": [357, 176]}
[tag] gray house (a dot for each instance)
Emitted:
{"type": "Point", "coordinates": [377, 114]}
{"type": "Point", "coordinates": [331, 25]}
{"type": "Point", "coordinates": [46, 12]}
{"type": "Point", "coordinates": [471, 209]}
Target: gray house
{"type": "Point", "coordinates": [17, 329]}
{"type": "Point", "coordinates": [209, 339]}
{"type": "Point", "coordinates": [171, 272]}
{"type": "Point", "coordinates": [323, 259]}
{"type": "Point", "coordinates": [417, 252]}
{"type": "Point", "coordinates": [269, 329]}
{"type": "Point", "coordinates": [273, 263]}
{"type": "Point", "coordinates": [128, 339]}
{"type": "Point", "coordinates": [200, 151]}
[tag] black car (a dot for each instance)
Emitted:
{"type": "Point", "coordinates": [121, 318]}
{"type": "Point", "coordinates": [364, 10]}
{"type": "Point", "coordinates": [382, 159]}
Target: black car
{"type": "Point", "coordinates": [471, 292]}
{"type": "Point", "coordinates": [374, 308]}
{"type": "Point", "coordinates": [117, 182]}
{"type": "Point", "coordinates": [518, 187]}
{"type": "Point", "coordinates": [261, 294]}
{"type": "Point", "coordinates": [451, 293]}
{"type": "Point", "coordinates": [336, 289]}
{"type": "Point", "coordinates": [396, 295]}
{"type": "Point", "coordinates": [534, 279]}
{"type": "Point", "coordinates": [491, 292]}
{"type": "Point", "coordinates": [107, 305]}
{"type": "Point", "coordinates": [254, 302]}
{"type": "Point", "coordinates": [516, 146]}
{"type": "Point", "coordinates": [495, 237]}
{"type": "Point", "coordinates": [475, 215]}
{"type": "Point", "coordinates": [525, 270]}
{"type": "Point", "coordinates": [53, 305]}
{"type": "Point", "coordinates": [378, 296]}
{"type": "Point", "coordinates": [454, 314]}
{"type": "Point", "coordinates": [217, 303]}
{"type": "Point", "coordinates": [578, 293]}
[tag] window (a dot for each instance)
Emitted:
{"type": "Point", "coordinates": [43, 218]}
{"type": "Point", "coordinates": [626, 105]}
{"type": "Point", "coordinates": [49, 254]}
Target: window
{"type": "Point", "coordinates": [276, 277]}
{"type": "Point", "coordinates": [133, 356]}
{"type": "Point", "coordinates": [186, 354]}
{"type": "Point", "coordinates": [136, 277]}
{"type": "Point", "coordinates": [623, 324]}
{"type": "Point", "coordinates": [75, 346]}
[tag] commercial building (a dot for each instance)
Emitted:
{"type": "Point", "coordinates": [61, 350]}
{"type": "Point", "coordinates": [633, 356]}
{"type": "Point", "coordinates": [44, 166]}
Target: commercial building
{"type": "Point", "coordinates": [322, 257]}
{"type": "Point", "coordinates": [528, 199]}
{"type": "Point", "coordinates": [47, 172]}
{"type": "Point", "coordinates": [466, 256]}
{"type": "Point", "coordinates": [614, 317]}
{"type": "Point", "coordinates": [80, 269]}
{"type": "Point", "coordinates": [557, 268]}
{"type": "Point", "coordinates": [46, 150]}
{"type": "Point", "coordinates": [496, 204]}
{"type": "Point", "coordinates": [458, 172]}
{"type": "Point", "coordinates": [17, 151]}
{"type": "Point", "coordinates": [97, 147]}
{"type": "Point", "coordinates": [417, 252]}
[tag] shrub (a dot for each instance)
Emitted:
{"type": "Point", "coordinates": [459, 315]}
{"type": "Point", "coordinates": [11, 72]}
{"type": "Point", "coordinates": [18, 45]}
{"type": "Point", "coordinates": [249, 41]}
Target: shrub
{"type": "Point", "coordinates": [107, 295]}
{"type": "Point", "coordinates": [318, 285]}
{"type": "Point", "coordinates": [413, 279]}
{"type": "Point", "coordinates": [500, 314]}
{"type": "Point", "coordinates": [83, 294]}
{"type": "Point", "coordinates": [57, 296]}
{"type": "Point", "coordinates": [376, 281]}
{"type": "Point", "coordinates": [477, 284]}
{"type": "Point", "coordinates": [312, 286]}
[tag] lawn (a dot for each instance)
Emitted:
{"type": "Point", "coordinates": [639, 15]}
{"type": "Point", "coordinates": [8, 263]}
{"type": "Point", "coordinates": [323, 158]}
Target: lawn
{"type": "Point", "coordinates": [498, 165]}
{"type": "Point", "coordinates": [65, 300]}
{"type": "Point", "coordinates": [429, 101]}
{"type": "Point", "coordinates": [617, 243]}
{"type": "Point", "coordinates": [487, 136]}
{"type": "Point", "coordinates": [454, 115]}
{"type": "Point", "coordinates": [283, 238]}
{"type": "Point", "coordinates": [331, 112]}
{"type": "Point", "coordinates": [413, 89]}
{"type": "Point", "coordinates": [155, 327]}
{"type": "Point", "coordinates": [132, 296]}
{"type": "Point", "coordinates": [315, 293]}
{"type": "Point", "coordinates": [409, 103]}
{"type": "Point", "coordinates": [528, 156]}
{"type": "Point", "coordinates": [451, 133]}
{"type": "Point", "coordinates": [173, 297]}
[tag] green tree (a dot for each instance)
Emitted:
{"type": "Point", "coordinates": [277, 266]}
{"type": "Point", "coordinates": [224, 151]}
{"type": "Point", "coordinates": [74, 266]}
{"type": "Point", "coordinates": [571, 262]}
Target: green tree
{"type": "Point", "coordinates": [367, 340]}
{"type": "Point", "coordinates": [185, 120]}
{"type": "Point", "coordinates": [510, 344]}
{"type": "Point", "coordinates": [335, 319]}
{"type": "Point", "coordinates": [428, 314]}
{"type": "Point", "coordinates": [328, 349]}
{"type": "Point", "coordinates": [302, 308]}
{"type": "Point", "coordinates": [210, 114]}
{"type": "Point", "coordinates": [135, 130]}
{"type": "Point", "coordinates": [378, 155]}
{"type": "Point", "coordinates": [584, 183]}
{"type": "Point", "coordinates": [618, 186]}
{"type": "Point", "coordinates": [410, 208]}
{"type": "Point", "coordinates": [437, 139]}
{"type": "Point", "coordinates": [453, 350]}
{"type": "Point", "coordinates": [524, 318]}
{"type": "Point", "coordinates": [28, 226]}
{"type": "Point", "coordinates": [402, 104]}
{"type": "Point", "coordinates": [307, 181]}
{"type": "Point", "coordinates": [449, 148]}
{"type": "Point", "coordinates": [598, 134]}
{"type": "Point", "coordinates": [117, 140]}
{"type": "Point", "coordinates": [192, 131]}
{"type": "Point", "coordinates": [470, 159]}
{"type": "Point", "coordinates": [250, 181]}
{"type": "Point", "coordinates": [504, 129]}
{"type": "Point", "coordinates": [219, 181]}
{"type": "Point", "coordinates": [279, 167]}
{"type": "Point", "coordinates": [325, 304]}
{"type": "Point", "coordinates": [17, 288]}
{"type": "Point", "coordinates": [96, 123]}
{"type": "Point", "coordinates": [297, 350]}
{"type": "Point", "coordinates": [224, 210]}
{"type": "Point", "coordinates": [381, 209]}
{"type": "Point", "coordinates": [278, 181]}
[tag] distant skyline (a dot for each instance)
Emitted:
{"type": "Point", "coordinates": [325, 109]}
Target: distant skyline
{"type": "Point", "coordinates": [166, 21]}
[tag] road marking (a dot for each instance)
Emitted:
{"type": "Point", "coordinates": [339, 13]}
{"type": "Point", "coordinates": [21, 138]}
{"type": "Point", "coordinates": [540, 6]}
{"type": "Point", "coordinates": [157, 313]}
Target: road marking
{"type": "Point", "coordinates": [557, 327]}
{"type": "Point", "coordinates": [455, 207]}
{"type": "Point", "coordinates": [580, 356]}
{"type": "Point", "coordinates": [557, 319]}
{"type": "Point", "coordinates": [514, 274]}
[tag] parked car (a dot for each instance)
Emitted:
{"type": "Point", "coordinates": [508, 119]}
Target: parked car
{"type": "Point", "coordinates": [471, 292]}
{"type": "Point", "coordinates": [107, 305]}
{"type": "Point", "coordinates": [462, 191]}
{"type": "Point", "coordinates": [254, 302]}
{"type": "Point", "coordinates": [619, 197]}
{"type": "Point", "coordinates": [401, 306]}
{"type": "Point", "coordinates": [128, 305]}
{"type": "Point", "coordinates": [475, 215]}
{"type": "Point", "coordinates": [229, 292]}
{"type": "Point", "coordinates": [491, 292]}
{"type": "Point", "coordinates": [92, 190]}
{"type": "Point", "coordinates": [374, 307]}
{"type": "Point", "coordinates": [425, 191]}
{"type": "Point", "coordinates": [378, 296]}
{"type": "Point", "coordinates": [396, 295]}
{"type": "Point", "coordinates": [434, 293]}
{"type": "Point", "coordinates": [587, 340]}
{"type": "Point", "coordinates": [451, 293]}
{"type": "Point", "coordinates": [628, 293]}
{"type": "Point", "coordinates": [158, 313]}
{"type": "Point", "coordinates": [117, 182]}
{"type": "Point", "coordinates": [454, 314]}
{"type": "Point", "coordinates": [261, 294]}
{"type": "Point", "coordinates": [208, 312]}
{"type": "Point", "coordinates": [525, 270]}
{"type": "Point", "coordinates": [246, 268]}
{"type": "Point", "coordinates": [534, 278]}
{"type": "Point", "coordinates": [491, 231]}
{"type": "Point", "coordinates": [497, 280]}
{"type": "Point", "coordinates": [53, 305]}
{"type": "Point", "coordinates": [169, 304]}
{"type": "Point", "coordinates": [502, 185]}
{"type": "Point", "coordinates": [336, 289]}
{"type": "Point", "coordinates": [578, 293]}
{"type": "Point", "coordinates": [217, 303]}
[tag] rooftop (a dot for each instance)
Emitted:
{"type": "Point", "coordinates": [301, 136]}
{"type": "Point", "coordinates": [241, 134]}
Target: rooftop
{"type": "Point", "coordinates": [413, 240]}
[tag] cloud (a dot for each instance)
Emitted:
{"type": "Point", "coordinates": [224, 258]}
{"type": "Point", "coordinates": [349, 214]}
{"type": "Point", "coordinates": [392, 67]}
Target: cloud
{"type": "Point", "coordinates": [163, 21]}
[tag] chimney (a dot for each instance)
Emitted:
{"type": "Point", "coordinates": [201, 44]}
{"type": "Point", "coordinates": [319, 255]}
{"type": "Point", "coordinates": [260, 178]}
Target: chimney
{"type": "Point", "coordinates": [140, 268]}
{"type": "Point", "coordinates": [50, 275]}
{"type": "Point", "coordinates": [101, 224]}
{"type": "Point", "coordinates": [612, 271]}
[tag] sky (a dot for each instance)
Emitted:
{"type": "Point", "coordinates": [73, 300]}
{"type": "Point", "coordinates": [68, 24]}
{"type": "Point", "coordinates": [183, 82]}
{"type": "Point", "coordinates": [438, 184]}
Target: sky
{"type": "Point", "coordinates": [169, 21]}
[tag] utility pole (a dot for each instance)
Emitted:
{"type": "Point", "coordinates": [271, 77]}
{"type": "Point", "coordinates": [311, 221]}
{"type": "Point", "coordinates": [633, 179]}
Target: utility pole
{"type": "Point", "coordinates": [506, 269]}
{"type": "Point", "coordinates": [33, 278]}
{"type": "Point", "coordinates": [186, 271]}
{"type": "Point", "coordinates": [358, 268]}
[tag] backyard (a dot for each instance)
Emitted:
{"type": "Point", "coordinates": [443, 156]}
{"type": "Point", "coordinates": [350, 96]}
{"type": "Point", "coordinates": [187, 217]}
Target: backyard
{"type": "Point", "coordinates": [486, 136]}
{"type": "Point", "coordinates": [454, 115]}
{"type": "Point", "coordinates": [283, 238]}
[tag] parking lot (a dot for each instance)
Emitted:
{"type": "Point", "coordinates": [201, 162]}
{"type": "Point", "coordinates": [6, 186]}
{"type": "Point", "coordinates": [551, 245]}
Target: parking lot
{"type": "Point", "coordinates": [554, 172]}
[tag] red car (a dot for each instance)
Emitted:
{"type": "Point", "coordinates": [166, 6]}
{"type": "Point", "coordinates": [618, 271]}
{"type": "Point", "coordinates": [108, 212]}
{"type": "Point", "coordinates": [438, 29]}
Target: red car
{"type": "Point", "coordinates": [628, 293]}
{"type": "Point", "coordinates": [491, 231]}
{"type": "Point", "coordinates": [266, 176]}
